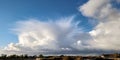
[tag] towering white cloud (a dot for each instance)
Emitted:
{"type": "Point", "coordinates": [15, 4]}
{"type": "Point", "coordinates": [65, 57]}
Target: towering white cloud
{"type": "Point", "coordinates": [106, 33]}
{"type": "Point", "coordinates": [37, 37]}
{"type": "Point", "coordinates": [64, 35]}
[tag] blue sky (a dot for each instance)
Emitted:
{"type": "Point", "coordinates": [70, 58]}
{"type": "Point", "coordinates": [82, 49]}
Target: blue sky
{"type": "Point", "coordinates": [59, 26]}
{"type": "Point", "coordinates": [12, 11]}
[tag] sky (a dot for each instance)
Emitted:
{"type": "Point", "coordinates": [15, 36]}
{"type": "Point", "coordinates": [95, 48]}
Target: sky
{"type": "Point", "coordinates": [59, 26]}
{"type": "Point", "coordinates": [13, 11]}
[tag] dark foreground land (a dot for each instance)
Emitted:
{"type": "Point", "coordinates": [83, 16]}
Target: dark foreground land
{"type": "Point", "coordinates": [115, 56]}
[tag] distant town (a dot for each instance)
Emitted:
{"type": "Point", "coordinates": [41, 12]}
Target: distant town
{"type": "Point", "coordinates": [115, 56]}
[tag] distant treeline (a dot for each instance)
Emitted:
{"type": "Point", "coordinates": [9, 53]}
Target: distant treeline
{"type": "Point", "coordinates": [4, 56]}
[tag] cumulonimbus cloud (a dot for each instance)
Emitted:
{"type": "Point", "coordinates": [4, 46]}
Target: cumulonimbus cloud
{"type": "Point", "coordinates": [65, 36]}
{"type": "Point", "coordinates": [37, 37]}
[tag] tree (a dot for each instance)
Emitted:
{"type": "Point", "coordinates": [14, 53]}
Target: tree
{"type": "Point", "coordinates": [25, 56]}
{"type": "Point", "coordinates": [3, 56]}
{"type": "Point", "coordinates": [61, 55]}
{"type": "Point", "coordinates": [13, 56]}
{"type": "Point", "coordinates": [40, 56]}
